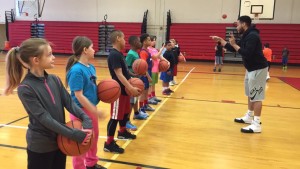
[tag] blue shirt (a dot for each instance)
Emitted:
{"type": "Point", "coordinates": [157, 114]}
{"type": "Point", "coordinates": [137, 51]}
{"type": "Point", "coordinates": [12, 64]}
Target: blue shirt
{"type": "Point", "coordinates": [81, 77]}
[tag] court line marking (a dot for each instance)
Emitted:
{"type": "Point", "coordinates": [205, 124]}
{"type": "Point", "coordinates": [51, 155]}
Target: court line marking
{"type": "Point", "coordinates": [236, 103]}
{"type": "Point", "coordinates": [22, 127]}
{"type": "Point", "coordinates": [14, 121]}
{"type": "Point", "coordinates": [102, 159]}
{"type": "Point", "coordinates": [114, 157]}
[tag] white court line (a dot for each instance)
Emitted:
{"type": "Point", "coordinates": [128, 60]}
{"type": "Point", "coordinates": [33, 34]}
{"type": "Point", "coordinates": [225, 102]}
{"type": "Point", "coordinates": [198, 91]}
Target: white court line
{"type": "Point", "coordinates": [12, 126]}
{"type": "Point", "coordinates": [22, 127]}
{"type": "Point", "coordinates": [114, 157]}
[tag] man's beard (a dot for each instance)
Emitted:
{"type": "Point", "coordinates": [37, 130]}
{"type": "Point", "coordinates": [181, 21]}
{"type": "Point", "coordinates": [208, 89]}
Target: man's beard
{"type": "Point", "coordinates": [241, 31]}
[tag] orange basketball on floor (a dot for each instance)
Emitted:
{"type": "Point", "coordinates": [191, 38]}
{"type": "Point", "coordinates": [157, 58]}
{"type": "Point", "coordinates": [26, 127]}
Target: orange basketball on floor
{"type": "Point", "coordinates": [135, 82]}
{"type": "Point", "coordinates": [109, 90]}
{"type": "Point", "coordinates": [71, 147]}
{"type": "Point", "coordinates": [140, 66]}
{"type": "Point", "coordinates": [181, 58]}
{"type": "Point", "coordinates": [163, 66]}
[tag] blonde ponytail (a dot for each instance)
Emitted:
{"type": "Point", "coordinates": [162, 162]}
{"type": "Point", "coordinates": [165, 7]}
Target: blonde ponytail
{"type": "Point", "coordinates": [19, 57]}
{"type": "Point", "coordinates": [14, 71]}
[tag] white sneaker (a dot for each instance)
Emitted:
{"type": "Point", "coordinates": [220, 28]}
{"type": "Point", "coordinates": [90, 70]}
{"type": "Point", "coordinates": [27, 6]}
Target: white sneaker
{"type": "Point", "coordinates": [245, 119]}
{"type": "Point", "coordinates": [255, 127]}
{"type": "Point", "coordinates": [171, 83]}
{"type": "Point", "coordinates": [143, 113]}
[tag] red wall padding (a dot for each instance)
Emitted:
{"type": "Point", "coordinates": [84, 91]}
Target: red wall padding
{"type": "Point", "coordinates": [194, 39]}
{"type": "Point", "coordinates": [61, 34]}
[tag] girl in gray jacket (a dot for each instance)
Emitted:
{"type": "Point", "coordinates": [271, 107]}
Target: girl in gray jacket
{"type": "Point", "coordinates": [44, 99]}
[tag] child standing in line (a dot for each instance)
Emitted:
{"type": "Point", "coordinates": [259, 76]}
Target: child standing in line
{"type": "Point", "coordinates": [120, 109]}
{"type": "Point", "coordinates": [166, 77]}
{"type": "Point", "coordinates": [146, 56]}
{"type": "Point", "coordinates": [44, 99]}
{"type": "Point", "coordinates": [176, 53]}
{"type": "Point", "coordinates": [81, 77]}
{"type": "Point", "coordinates": [156, 57]}
{"type": "Point", "coordinates": [133, 55]}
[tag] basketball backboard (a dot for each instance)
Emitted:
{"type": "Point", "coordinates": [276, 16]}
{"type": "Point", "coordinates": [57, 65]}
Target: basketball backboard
{"type": "Point", "coordinates": [29, 9]}
{"type": "Point", "coordinates": [258, 9]}
{"type": "Point", "coordinates": [26, 8]}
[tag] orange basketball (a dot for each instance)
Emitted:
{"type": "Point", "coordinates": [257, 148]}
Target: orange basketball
{"type": "Point", "coordinates": [71, 147]}
{"type": "Point", "coordinates": [135, 82]}
{"type": "Point", "coordinates": [140, 66]}
{"type": "Point", "coordinates": [163, 66]}
{"type": "Point", "coordinates": [181, 58]}
{"type": "Point", "coordinates": [109, 90]}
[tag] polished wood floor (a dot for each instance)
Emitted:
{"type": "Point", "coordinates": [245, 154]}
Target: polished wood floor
{"type": "Point", "coordinates": [193, 128]}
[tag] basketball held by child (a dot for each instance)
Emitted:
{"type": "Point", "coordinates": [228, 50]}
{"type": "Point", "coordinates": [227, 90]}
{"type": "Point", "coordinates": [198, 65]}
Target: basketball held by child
{"type": "Point", "coordinates": [181, 58]}
{"type": "Point", "coordinates": [163, 66]}
{"type": "Point", "coordinates": [140, 67]}
{"type": "Point", "coordinates": [135, 82]}
{"type": "Point", "coordinates": [109, 90]}
{"type": "Point", "coordinates": [71, 147]}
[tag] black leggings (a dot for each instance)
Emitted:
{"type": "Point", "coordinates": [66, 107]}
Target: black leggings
{"type": "Point", "coordinates": [51, 160]}
{"type": "Point", "coordinates": [269, 65]}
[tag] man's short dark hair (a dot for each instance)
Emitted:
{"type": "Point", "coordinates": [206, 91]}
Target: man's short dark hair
{"type": "Point", "coordinates": [143, 37]}
{"type": "Point", "coordinates": [245, 19]}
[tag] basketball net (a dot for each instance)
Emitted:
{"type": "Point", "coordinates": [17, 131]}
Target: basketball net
{"type": "Point", "coordinates": [256, 17]}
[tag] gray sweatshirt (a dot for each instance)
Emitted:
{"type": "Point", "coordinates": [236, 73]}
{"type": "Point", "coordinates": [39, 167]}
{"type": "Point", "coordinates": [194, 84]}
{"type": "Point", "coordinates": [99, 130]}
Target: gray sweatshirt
{"type": "Point", "coordinates": [44, 99]}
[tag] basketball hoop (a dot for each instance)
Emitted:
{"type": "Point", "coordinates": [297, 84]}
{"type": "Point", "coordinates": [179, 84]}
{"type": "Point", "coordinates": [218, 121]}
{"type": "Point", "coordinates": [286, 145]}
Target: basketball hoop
{"type": "Point", "coordinates": [256, 17]}
{"type": "Point", "coordinates": [27, 8]}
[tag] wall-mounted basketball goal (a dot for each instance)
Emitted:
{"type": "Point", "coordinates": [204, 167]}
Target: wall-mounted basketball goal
{"type": "Point", "coordinates": [258, 9]}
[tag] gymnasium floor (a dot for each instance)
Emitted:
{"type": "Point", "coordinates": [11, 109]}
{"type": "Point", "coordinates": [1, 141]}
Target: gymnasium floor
{"type": "Point", "coordinates": [193, 128]}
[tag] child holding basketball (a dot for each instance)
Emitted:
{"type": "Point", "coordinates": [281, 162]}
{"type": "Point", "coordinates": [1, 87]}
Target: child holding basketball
{"type": "Point", "coordinates": [133, 55]}
{"type": "Point", "coordinates": [145, 55]}
{"type": "Point", "coordinates": [44, 99]}
{"type": "Point", "coordinates": [176, 53]}
{"type": "Point", "coordinates": [120, 109]}
{"type": "Point", "coordinates": [166, 77]}
{"type": "Point", "coordinates": [156, 57]}
{"type": "Point", "coordinates": [81, 77]}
